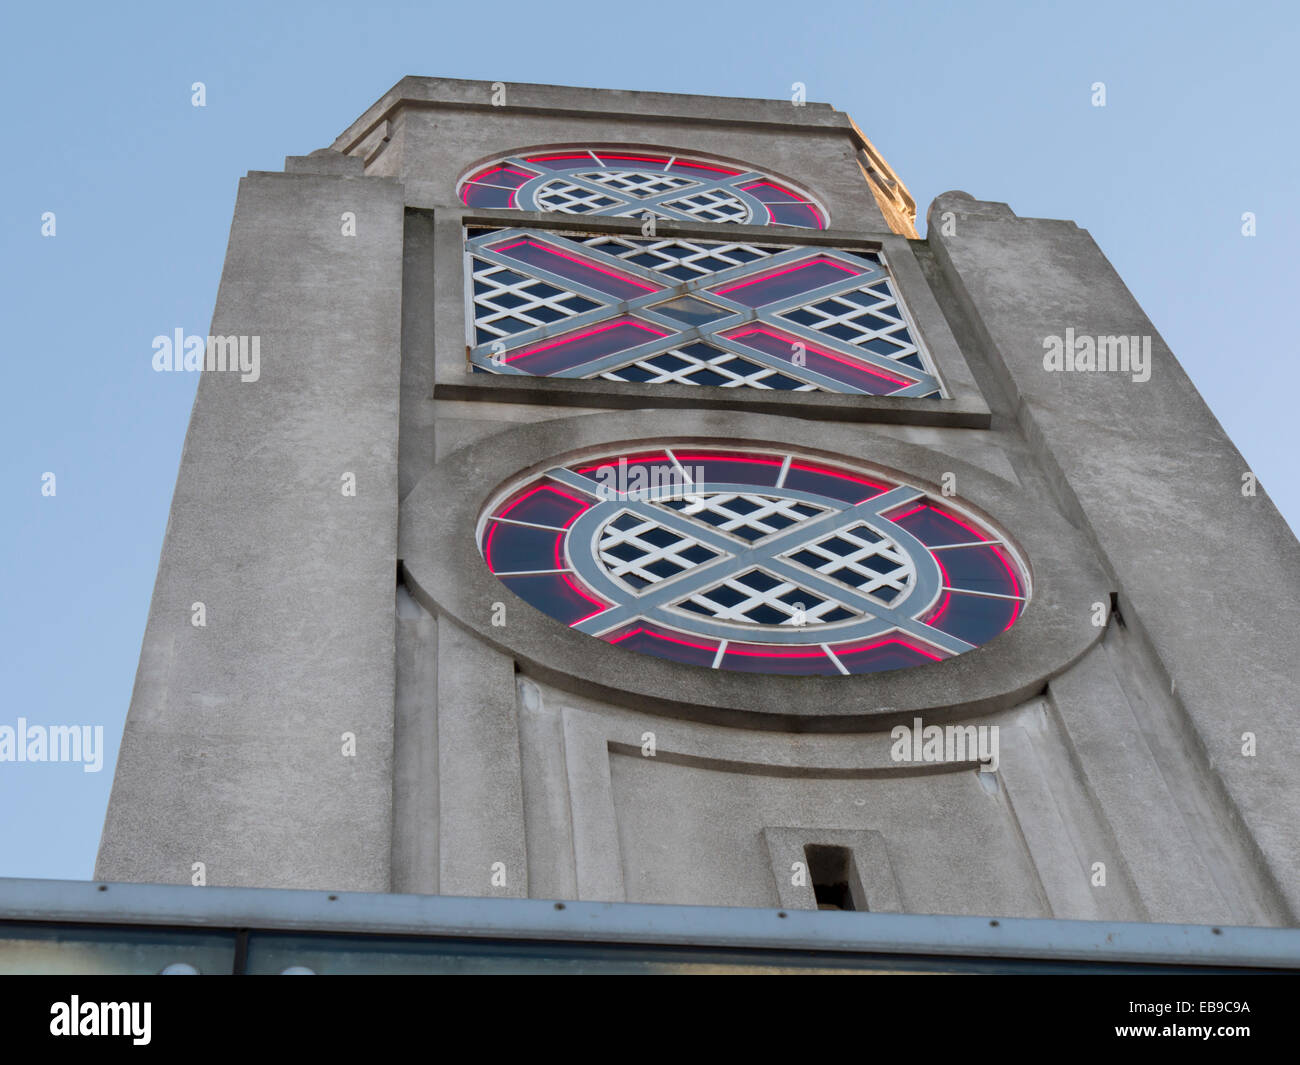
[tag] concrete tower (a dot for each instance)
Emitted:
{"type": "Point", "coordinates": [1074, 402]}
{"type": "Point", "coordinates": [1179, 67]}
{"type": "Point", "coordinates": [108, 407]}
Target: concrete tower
{"type": "Point", "coordinates": [606, 495]}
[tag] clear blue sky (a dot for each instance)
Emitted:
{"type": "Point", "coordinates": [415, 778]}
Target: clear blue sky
{"type": "Point", "coordinates": [993, 98]}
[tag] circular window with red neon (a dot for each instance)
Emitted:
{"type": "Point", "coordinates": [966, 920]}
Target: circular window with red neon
{"type": "Point", "coordinates": [621, 182]}
{"type": "Point", "coordinates": [754, 561]}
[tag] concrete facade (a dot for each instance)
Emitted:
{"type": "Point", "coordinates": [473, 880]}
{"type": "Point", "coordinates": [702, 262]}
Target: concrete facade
{"type": "Point", "coordinates": [351, 718]}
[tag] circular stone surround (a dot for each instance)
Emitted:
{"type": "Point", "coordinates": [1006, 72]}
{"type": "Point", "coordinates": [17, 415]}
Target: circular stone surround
{"type": "Point", "coordinates": [753, 561]}
{"type": "Point", "coordinates": [444, 518]}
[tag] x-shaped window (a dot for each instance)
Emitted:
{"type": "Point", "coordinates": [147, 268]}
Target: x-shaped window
{"type": "Point", "coordinates": [695, 312]}
{"type": "Point", "coordinates": [753, 561]}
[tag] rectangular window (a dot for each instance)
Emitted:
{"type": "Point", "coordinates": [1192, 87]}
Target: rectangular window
{"type": "Point", "coordinates": [671, 310]}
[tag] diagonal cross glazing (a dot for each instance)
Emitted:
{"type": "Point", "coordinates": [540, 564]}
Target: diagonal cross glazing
{"type": "Point", "coordinates": [737, 557]}
{"type": "Point", "coordinates": [732, 313]}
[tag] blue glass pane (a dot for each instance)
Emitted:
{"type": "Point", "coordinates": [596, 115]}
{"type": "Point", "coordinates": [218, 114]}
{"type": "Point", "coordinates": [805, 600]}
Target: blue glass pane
{"type": "Point", "coordinates": [974, 618]}
{"type": "Point", "coordinates": [555, 595]}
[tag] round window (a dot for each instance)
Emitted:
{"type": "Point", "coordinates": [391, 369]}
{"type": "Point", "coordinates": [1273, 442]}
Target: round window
{"type": "Point", "coordinates": [754, 561]}
{"type": "Point", "coordinates": [616, 182]}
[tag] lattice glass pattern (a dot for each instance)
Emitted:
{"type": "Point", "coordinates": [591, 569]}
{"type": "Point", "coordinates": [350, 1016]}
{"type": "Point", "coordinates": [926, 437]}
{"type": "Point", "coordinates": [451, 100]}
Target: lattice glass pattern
{"type": "Point", "coordinates": [682, 260]}
{"type": "Point", "coordinates": [640, 552]}
{"type": "Point", "coordinates": [743, 514]}
{"type": "Point", "coordinates": [617, 182]}
{"type": "Point", "coordinates": [699, 364]}
{"type": "Point", "coordinates": [862, 559]}
{"type": "Point", "coordinates": [712, 205]}
{"type": "Point", "coordinates": [754, 561]}
{"type": "Point", "coordinates": [667, 310]}
{"type": "Point", "coordinates": [758, 598]}
{"type": "Point", "coordinates": [508, 303]}
{"type": "Point", "coordinates": [567, 198]}
{"type": "Point", "coordinates": [631, 183]}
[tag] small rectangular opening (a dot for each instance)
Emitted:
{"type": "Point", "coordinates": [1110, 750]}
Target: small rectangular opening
{"type": "Point", "coordinates": [831, 871]}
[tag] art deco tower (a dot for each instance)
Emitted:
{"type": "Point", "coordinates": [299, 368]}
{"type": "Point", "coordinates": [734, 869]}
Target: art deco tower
{"type": "Point", "coordinates": [629, 506]}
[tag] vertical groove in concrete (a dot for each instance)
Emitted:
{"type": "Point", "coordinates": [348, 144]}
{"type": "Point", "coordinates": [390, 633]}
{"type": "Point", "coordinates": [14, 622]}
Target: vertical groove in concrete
{"type": "Point", "coordinates": [1160, 853]}
{"type": "Point", "coordinates": [415, 750]}
{"type": "Point", "coordinates": [552, 870]}
{"type": "Point", "coordinates": [1230, 857]}
{"type": "Point", "coordinates": [480, 805]}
